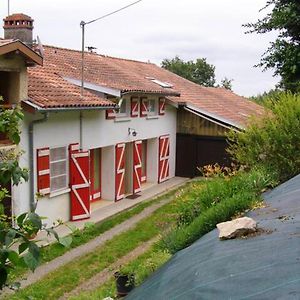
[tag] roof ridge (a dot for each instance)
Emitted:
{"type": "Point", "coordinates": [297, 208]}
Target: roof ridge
{"type": "Point", "coordinates": [102, 55]}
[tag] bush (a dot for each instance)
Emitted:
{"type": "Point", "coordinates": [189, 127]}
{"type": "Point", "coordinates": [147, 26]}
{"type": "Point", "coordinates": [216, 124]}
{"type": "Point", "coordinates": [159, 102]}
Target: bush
{"type": "Point", "coordinates": [201, 197]}
{"type": "Point", "coordinates": [273, 141]}
{"type": "Point", "coordinates": [236, 194]}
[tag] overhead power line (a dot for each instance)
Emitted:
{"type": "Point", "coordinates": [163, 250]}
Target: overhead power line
{"type": "Point", "coordinates": [112, 13]}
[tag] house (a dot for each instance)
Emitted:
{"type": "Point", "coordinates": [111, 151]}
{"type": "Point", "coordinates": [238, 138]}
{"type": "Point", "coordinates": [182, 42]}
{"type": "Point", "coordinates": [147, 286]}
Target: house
{"type": "Point", "coordinates": [118, 134]}
{"type": "Point", "coordinates": [15, 58]}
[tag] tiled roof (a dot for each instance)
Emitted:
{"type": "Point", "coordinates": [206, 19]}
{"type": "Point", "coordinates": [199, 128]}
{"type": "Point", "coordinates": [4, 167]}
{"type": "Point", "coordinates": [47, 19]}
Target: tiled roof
{"type": "Point", "coordinates": [135, 76]}
{"type": "Point", "coordinates": [49, 90]}
{"type": "Point", "coordinates": [18, 17]}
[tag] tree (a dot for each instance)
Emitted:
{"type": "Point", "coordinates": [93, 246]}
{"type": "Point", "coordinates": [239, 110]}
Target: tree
{"type": "Point", "coordinates": [271, 141]}
{"type": "Point", "coordinates": [226, 83]}
{"type": "Point", "coordinates": [283, 55]}
{"type": "Point", "coordinates": [16, 244]}
{"type": "Point", "coordinates": [199, 71]}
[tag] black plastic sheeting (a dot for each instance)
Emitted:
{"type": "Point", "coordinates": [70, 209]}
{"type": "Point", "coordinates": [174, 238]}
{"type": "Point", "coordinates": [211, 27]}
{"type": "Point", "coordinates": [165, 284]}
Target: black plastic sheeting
{"type": "Point", "coordinates": [265, 266]}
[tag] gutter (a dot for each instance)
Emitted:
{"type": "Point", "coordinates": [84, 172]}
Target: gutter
{"type": "Point", "coordinates": [31, 161]}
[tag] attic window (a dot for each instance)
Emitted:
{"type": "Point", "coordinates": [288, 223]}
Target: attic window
{"type": "Point", "coordinates": [161, 83]}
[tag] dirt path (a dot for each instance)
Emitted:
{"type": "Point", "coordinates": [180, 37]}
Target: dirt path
{"type": "Point", "coordinates": [73, 254]}
{"type": "Point", "coordinates": [108, 272]}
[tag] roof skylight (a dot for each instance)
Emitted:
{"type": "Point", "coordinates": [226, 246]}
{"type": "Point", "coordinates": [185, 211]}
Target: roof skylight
{"type": "Point", "coordinates": [161, 83]}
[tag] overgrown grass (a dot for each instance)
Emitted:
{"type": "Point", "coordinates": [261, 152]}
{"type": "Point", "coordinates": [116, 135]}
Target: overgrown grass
{"type": "Point", "coordinates": [219, 200]}
{"type": "Point", "coordinates": [80, 237]}
{"type": "Point", "coordinates": [72, 274]}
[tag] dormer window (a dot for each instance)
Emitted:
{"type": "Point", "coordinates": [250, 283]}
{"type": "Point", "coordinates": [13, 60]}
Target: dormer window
{"type": "Point", "coordinates": [160, 83]}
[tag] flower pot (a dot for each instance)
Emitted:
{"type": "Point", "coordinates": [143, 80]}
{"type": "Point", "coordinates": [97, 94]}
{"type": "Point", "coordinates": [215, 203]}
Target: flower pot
{"type": "Point", "coordinates": [124, 283]}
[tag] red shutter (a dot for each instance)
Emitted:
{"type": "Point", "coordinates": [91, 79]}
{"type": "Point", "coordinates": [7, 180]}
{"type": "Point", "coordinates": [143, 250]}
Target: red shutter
{"type": "Point", "coordinates": [43, 171]}
{"type": "Point", "coordinates": [137, 166]}
{"type": "Point", "coordinates": [161, 108]}
{"type": "Point", "coordinates": [134, 107]}
{"type": "Point", "coordinates": [163, 163]}
{"type": "Point", "coordinates": [110, 114]}
{"type": "Point", "coordinates": [120, 172]}
{"type": "Point", "coordinates": [79, 183]}
{"type": "Point", "coordinates": [144, 107]}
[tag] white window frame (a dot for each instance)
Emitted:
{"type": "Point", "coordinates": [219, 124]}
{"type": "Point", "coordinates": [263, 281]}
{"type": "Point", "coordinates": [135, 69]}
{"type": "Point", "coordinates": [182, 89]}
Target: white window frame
{"type": "Point", "coordinates": [155, 111]}
{"type": "Point", "coordinates": [127, 110]}
{"type": "Point", "coordinates": [66, 175]}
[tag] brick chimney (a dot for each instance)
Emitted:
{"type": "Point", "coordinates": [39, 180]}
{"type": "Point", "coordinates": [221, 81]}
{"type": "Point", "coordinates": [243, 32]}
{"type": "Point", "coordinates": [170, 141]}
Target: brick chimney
{"type": "Point", "coordinates": [18, 27]}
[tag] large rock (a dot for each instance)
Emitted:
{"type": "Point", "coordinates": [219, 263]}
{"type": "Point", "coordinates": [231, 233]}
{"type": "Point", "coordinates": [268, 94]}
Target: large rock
{"type": "Point", "coordinates": [236, 228]}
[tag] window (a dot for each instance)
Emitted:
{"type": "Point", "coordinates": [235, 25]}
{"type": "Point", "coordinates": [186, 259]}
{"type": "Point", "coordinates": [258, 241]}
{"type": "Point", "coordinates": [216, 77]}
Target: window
{"type": "Point", "coordinates": [58, 169]}
{"type": "Point", "coordinates": [123, 111]}
{"type": "Point", "coordinates": [152, 107]}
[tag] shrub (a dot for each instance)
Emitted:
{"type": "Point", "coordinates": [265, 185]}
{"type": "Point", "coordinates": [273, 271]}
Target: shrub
{"type": "Point", "coordinates": [234, 195]}
{"type": "Point", "coordinates": [273, 141]}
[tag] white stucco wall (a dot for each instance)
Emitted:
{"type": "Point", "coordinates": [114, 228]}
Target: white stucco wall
{"type": "Point", "coordinates": [62, 129]}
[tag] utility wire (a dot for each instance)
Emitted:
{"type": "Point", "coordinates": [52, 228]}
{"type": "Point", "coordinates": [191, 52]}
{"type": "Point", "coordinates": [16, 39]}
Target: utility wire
{"type": "Point", "coordinates": [113, 12]}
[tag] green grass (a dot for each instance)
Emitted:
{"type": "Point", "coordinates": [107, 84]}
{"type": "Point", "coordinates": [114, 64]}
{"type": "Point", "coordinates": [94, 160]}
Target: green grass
{"type": "Point", "coordinates": [142, 267]}
{"type": "Point", "coordinates": [80, 237]}
{"type": "Point", "coordinates": [72, 274]}
{"type": "Point", "coordinates": [219, 201]}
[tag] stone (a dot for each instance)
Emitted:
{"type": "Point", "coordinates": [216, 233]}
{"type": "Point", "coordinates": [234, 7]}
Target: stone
{"type": "Point", "coordinates": [236, 228]}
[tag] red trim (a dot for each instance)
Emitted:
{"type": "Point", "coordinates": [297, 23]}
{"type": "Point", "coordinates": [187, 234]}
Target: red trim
{"type": "Point", "coordinates": [137, 166]}
{"type": "Point", "coordinates": [143, 107]}
{"type": "Point", "coordinates": [120, 171]}
{"type": "Point", "coordinates": [144, 159]}
{"type": "Point", "coordinates": [163, 158]}
{"type": "Point", "coordinates": [161, 106]}
{"type": "Point", "coordinates": [43, 170]}
{"type": "Point", "coordinates": [110, 114]}
{"type": "Point", "coordinates": [134, 107]}
{"type": "Point", "coordinates": [95, 193]}
{"type": "Point", "coordinates": [79, 183]}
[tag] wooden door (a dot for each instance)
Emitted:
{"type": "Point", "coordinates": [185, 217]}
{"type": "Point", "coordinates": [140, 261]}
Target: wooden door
{"type": "Point", "coordinates": [137, 166]}
{"type": "Point", "coordinates": [79, 183]}
{"type": "Point", "coordinates": [120, 171]}
{"type": "Point", "coordinates": [163, 159]}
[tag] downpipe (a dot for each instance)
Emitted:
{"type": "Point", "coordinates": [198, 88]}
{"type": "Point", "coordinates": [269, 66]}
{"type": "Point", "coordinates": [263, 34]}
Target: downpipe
{"type": "Point", "coordinates": [31, 159]}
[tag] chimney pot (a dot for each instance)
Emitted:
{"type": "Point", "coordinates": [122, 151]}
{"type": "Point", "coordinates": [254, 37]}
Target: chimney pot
{"type": "Point", "coordinates": [18, 27]}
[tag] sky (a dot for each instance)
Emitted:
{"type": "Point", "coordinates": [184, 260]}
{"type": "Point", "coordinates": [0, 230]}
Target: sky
{"type": "Point", "coordinates": [153, 30]}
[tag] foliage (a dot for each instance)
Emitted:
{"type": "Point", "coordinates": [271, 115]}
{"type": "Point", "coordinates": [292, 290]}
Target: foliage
{"type": "Point", "coordinates": [226, 83]}
{"type": "Point", "coordinates": [272, 141]}
{"type": "Point", "coordinates": [220, 200]}
{"type": "Point", "coordinates": [284, 53]}
{"type": "Point", "coordinates": [267, 98]}
{"type": "Point", "coordinates": [16, 246]}
{"type": "Point", "coordinates": [199, 71]}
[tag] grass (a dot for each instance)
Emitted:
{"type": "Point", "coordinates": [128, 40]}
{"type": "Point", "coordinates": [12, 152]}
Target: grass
{"type": "Point", "coordinates": [220, 200]}
{"type": "Point", "coordinates": [142, 267]}
{"type": "Point", "coordinates": [80, 237]}
{"type": "Point", "coordinates": [72, 274]}
{"type": "Point", "coordinates": [196, 210]}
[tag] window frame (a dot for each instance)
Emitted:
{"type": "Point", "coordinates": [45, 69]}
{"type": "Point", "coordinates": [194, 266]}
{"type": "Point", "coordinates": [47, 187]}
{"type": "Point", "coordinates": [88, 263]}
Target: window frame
{"type": "Point", "coordinates": [155, 111]}
{"type": "Point", "coordinates": [127, 110]}
{"type": "Point", "coordinates": [66, 174]}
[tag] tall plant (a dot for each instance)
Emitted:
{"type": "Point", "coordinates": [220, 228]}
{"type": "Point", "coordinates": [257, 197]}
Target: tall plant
{"type": "Point", "coordinates": [272, 141]}
{"type": "Point", "coordinates": [16, 245]}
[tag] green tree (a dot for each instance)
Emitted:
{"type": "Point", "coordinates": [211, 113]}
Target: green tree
{"type": "Point", "coordinates": [226, 83]}
{"type": "Point", "coordinates": [16, 245]}
{"type": "Point", "coordinates": [283, 55]}
{"type": "Point", "coordinates": [272, 141]}
{"type": "Point", "coordinates": [199, 71]}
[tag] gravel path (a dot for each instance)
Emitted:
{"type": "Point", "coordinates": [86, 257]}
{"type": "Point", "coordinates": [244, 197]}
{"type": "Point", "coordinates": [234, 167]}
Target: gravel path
{"type": "Point", "coordinates": [108, 272]}
{"type": "Point", "coordinates": [69, 256]}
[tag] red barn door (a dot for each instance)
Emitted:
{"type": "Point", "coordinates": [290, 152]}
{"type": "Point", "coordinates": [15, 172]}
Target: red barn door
{"type": "Point", "coordinates": [120, 171]}
{"type": "Point", "coordinates": [79, 183]}
{"type": "Point", "coordinates": [163, 159]}
{"type": "Point", "coordinates": [137, 166]}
